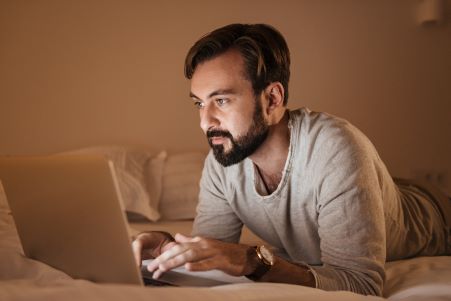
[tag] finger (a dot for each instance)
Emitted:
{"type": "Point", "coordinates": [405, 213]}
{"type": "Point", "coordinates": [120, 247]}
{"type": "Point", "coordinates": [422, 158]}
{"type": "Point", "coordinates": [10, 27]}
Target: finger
{"type": "Point", "coordinates": [178, 261]}
{"type": "Point", "coordinates": [157, 274]}
{"type": "Point", "coordinates": [154, 264]}
{"type": "Point", "coordinates": [178, 256]}
{"type": "Point", "coordinates": [168, 254]}
{"type": "Point", "coordinates": [183, 239]}
{"type": "Point", "coordinates": [137, 246]}
{"type": "Point", "coordinates": [170, 264]}
{"type": "Point", "coordinates": [168, 246]}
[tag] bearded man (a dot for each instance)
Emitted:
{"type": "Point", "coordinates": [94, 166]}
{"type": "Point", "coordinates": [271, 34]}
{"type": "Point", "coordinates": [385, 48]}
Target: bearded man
{"type": "Point", "coordinates": [310, 184]}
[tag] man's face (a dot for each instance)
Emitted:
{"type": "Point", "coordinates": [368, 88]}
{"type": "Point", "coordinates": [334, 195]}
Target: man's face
{"type": "Point", "coordinates": [230, 114]}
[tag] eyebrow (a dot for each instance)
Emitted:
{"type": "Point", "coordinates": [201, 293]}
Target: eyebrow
{"type": "Point", "coordinates": [214, 93]}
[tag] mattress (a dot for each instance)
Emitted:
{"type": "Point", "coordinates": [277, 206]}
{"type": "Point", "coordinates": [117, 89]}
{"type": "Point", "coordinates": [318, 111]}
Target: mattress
{"type": "Point", "coordinates": [21, 278]}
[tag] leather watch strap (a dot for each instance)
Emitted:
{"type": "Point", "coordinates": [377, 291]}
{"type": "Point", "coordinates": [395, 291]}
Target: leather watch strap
{"type": "Point", "coordinates": [262, 267]}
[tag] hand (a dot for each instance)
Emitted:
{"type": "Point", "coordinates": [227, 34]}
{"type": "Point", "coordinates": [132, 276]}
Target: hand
{"type": "Point", "coordinates": [202, 254]}
{"type": "Point", "coordinates": [149, 245]}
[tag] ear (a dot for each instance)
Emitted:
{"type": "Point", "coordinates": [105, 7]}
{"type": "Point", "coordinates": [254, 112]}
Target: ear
{"type": "Point", "coordinates": [274, 94]}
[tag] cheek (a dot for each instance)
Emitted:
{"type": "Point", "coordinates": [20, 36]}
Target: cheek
{"type": "Point", "coordinates": [238, 126]}
{"type": "Point", "coordinates": [236, 121]}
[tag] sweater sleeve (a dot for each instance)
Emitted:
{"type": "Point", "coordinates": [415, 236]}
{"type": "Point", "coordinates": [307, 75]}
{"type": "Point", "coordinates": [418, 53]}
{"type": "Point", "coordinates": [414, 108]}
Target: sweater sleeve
{"type": "Point", "coordinates": [350, 214]}
{"type": "Point", "coordinates": [215, 218]}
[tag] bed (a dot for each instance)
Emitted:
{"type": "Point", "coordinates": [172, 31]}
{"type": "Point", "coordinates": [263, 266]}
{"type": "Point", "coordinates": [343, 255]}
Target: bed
{"type": "Point", "coordinates": [166, 201]}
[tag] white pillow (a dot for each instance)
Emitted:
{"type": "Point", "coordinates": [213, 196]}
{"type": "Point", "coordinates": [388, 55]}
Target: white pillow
{"type": "Point", "coordinates": [153, 176]}
{"type": "Point", "coordinates": [131, 164]}
{"type": "Point", "coordinates": [180, 192]}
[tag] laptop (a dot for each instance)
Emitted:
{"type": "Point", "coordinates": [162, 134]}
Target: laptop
{"type": "Point", "coordinates": [68, 214]}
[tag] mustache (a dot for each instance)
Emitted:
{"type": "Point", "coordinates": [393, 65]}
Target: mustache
{"type": "Point", "coordinates": [218, 133]}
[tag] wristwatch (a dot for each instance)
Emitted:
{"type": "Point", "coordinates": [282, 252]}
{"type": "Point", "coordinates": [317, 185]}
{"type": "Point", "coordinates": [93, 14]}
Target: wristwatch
{"type": "Point", "coordinates": [265, 259]}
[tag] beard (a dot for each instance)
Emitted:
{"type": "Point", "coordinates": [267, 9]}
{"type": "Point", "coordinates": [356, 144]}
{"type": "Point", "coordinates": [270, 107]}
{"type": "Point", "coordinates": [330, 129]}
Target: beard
{"type": "Point", "coordinates": [242, 146]}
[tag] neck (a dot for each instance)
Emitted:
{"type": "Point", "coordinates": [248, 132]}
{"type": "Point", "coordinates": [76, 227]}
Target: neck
{"type": "Point", "coordinates": [271, 156]}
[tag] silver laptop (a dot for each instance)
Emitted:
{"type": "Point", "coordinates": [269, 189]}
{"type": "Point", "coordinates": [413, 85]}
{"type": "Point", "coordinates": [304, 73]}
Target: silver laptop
{"type": "Point", "coordinates": [68, 214]}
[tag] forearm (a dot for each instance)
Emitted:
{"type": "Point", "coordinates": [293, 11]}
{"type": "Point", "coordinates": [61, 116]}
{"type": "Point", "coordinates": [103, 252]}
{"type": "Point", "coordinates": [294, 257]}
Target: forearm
{"type": "Point", "coordinates": [366, 282]}
{"type": "Point", "coordinates": [324, 277]}
{"type": "Point", "coordinates": [287, 272]}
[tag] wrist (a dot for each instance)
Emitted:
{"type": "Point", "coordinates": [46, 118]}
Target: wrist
{"type": "Point", "coordinates": [261, 261]}
{"type": "Point", "coordinates": [252, 261]}
{"type": "Point", "coordinates": [309, 278]}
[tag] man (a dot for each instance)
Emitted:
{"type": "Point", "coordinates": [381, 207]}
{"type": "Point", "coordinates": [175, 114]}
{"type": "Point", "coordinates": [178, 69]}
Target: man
{"type": "Point", "coordinates": [308, 183]}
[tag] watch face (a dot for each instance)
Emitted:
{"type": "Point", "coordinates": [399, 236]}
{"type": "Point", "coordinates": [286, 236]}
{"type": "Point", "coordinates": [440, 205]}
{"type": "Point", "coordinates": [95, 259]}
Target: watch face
{"type": "Point", "coordinates": [267, 255]}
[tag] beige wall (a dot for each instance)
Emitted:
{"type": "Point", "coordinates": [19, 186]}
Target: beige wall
{"type": "Point", "coordinates": [79, 73]}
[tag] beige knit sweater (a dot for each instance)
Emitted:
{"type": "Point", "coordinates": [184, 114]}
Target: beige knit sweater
{"type": "Point", "coordinates": [336, 207]}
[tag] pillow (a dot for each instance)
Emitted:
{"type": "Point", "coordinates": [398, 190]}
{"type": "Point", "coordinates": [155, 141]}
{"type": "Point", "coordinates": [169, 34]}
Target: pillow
{"type": "Point", "coordinates": [153, 174]}
{"type": "Point", "coordinates": [130, 165]}
{"type": "Point", "coordinates": [180, 187]}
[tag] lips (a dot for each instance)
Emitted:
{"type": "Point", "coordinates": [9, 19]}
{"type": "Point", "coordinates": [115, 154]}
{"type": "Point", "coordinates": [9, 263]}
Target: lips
{"type": "Point", "coordinates": [218, 137]}
{"type": "Point", "coordinates": [217, 140]}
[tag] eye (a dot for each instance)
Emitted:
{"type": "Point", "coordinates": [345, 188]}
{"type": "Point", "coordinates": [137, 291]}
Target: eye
{"type": "Point", "coordinates": [199, 104]}
{"type": "Point", "coordinates": [221, 101]}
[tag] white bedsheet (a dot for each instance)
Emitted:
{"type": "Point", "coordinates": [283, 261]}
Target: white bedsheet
{"type": "Point", "coordinates": [426, 278]}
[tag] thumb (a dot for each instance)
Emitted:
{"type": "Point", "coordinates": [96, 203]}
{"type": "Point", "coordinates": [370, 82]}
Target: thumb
{"type": "Point", "coordinates": [137, 247]}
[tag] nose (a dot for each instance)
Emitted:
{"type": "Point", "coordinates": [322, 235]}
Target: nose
{"type": "Point", "coordinates": [208, 117]}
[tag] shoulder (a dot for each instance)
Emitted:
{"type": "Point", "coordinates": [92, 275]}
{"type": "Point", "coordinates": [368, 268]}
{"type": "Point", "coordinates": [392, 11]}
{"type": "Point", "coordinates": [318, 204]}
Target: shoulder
{"type": "Point", "coordinates": [311, 123]}
{"type": "Point", "coordinates": [326, 133]}
{"type": "Point", "coordinates": [328, 145]}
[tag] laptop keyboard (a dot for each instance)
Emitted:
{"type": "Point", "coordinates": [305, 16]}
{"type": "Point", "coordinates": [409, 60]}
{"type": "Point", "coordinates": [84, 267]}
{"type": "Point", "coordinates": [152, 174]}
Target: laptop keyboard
{"type": "Point", "coordinates": [154, 282]}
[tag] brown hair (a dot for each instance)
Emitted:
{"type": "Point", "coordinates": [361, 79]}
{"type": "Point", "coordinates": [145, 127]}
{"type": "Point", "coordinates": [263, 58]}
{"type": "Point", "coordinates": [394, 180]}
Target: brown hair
{"type": "Point", "coordinates": [264, 50]}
